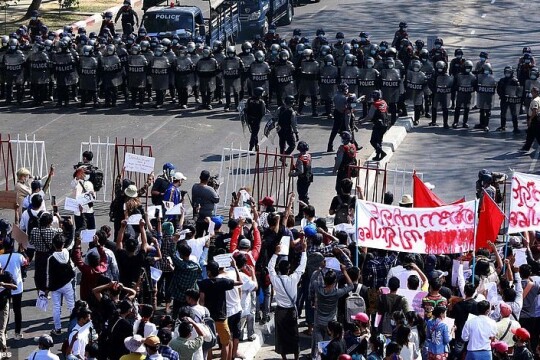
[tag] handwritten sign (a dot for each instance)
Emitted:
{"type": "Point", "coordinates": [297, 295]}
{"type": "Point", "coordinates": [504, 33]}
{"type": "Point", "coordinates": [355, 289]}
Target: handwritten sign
{"type": "Point", "coordinates": [224, 260]}
{"type": "Point", "coordinates": [285, 244]}
{"type": "Point", "coordinates": [152, 212]}
{"type": "Point", "coordinates": [241, 212]}
{"type": "Point", "coordinates": [134, 219]}
{"type": "Point", "coordinates": [71, 205]}
{"type": "Point", "coordinates": [414, 298]}
{"type": "Point", "coordinates": [175, 210]}
{"type": "Point", "coordinates": [139, 163]}
{"type": "Point", "coordinates": [524, 203]}
{"type": "Point", "coordinates": [443, 230]}
{"type": "Point", "coordinates": [87, 236]}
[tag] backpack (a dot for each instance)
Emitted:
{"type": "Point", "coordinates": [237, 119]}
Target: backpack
{"type": "Point", "coordinates": [211, 324]}
{"type": "Point", "coordinates": [385, 326]}
{"type": "Point", "coordinates": [342, 211]}
{"type": "Point", "coordinates": [96, 178]}
{"type": "Point", "coordinates": [354, 304]}
{"type": "Point", "coordinates": [33, 221]}
{"type": "Point", "coordinates": [67, 347]}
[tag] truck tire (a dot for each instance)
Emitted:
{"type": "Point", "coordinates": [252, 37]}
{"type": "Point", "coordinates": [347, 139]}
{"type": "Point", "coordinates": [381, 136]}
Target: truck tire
{"type": "Point", "coordinates": [287, 19]}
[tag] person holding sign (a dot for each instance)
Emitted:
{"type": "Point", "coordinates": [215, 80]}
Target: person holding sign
{"type": "Point", "coordinates": [239, 244]}
{"type": "Point", "coordinates": [286, 288]}
{"type": "Point", "coordinates": [82, 186]}
{"type": "Point", "coordinates": [204, 197]}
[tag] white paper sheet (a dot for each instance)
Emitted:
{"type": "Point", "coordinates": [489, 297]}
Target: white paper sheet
{"type": "Point", "coordinates": [241, 212]}
{"type": "Point", "coordinates": [134, 219]}
{"type": "Point", "coordinates": [155, 273]}
{"type": "Point", "coordinates": [152, 212]}
{"type": "Point", "coordinates": [139, 163]}
{"type": "Point", "coordinates": [71, 205]}
{"type": "Point", "coordinates": [224, 260]}
{"type": "Point", "coordinates": [285, 243]}
{"type": "Point", "coordinates": [87, 236]}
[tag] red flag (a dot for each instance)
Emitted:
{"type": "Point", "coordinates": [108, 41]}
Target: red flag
{"type": "Point", "coordinates": [490, 220]}
{"type": "Point", "coordinates": [423, 197]}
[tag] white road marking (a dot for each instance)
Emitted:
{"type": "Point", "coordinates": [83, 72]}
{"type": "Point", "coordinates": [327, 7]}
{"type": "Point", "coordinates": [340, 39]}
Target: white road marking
{"type": "Point", "coordinates": [472, 32]}
{"type": "Point", "coordinates": [493, 2]}
{"type": "Point", "coordinates": [535, 160]}
{"type": "Point", "coordinates": [160, 126]}
{"type": "Point", "coordinates": [47, 124]}
{"type": "Point", "coordinates": [483, 16]}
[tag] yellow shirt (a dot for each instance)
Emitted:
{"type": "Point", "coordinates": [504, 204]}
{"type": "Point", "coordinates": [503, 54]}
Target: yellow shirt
{"type": "Point", "coordinates": [133, 356]}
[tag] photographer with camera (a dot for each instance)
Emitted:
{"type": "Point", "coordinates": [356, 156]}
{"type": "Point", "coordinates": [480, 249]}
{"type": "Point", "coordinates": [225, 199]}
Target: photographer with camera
{"type": "Point", "coordinates": [81, 185]}
{"type": "Point", "coordinates": [204, 199]}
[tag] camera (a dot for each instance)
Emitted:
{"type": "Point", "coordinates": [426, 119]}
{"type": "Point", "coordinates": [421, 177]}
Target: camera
{"type": "Point", "coordinates": [213, 182]}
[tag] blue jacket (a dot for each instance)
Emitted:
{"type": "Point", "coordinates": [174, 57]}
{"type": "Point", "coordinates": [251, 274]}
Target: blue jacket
{"type": "Point", "coordinates": [438, 337]}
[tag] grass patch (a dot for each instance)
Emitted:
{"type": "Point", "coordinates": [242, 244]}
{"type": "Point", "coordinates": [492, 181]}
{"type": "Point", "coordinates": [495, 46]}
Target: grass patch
{"type": "Point", "coordinates": [85, 6]}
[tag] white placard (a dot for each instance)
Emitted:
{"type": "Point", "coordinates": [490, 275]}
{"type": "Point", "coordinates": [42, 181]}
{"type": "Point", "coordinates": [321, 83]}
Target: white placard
{"type": "Point", "coordinates": [211, 228]}
{"type": "Point", "coordinates": [155, 273]}
{"type": "Point", "coordinates": [224, 260]}
{"type": "Point", "coordinates": [168, 205]}
{"type": "Point", "coordinates": [152, 212]}
{"type": "Point", "coordinates": [521, 257]}
{"type": "Point", "coordinates": [71, 205]}
{"type": "Point", "coordinates": [134, 219]}
{"type": "Point", "coordinates": [42, 302]}
{"type": "Point", "coordinates": [85, 198]}
{"type": "Point", "coordinates": [455, 271]}
{"type": "Point", "coordinates": [241, 212]}
{"type": "Point", "coordinates": [285, 244]}
{"type": "Point", "coordinates": [332, 263]}
{"type": "Point", "coordinates": [348, 228]}
{"type": "Point", "coordinates": [177, 209]}
{"type": "Point", "coordinates": [139, 163]}
{"type": "Point", "coordinates": [87, 236]}
{"type": "Point", "coordinates": [321, 346]}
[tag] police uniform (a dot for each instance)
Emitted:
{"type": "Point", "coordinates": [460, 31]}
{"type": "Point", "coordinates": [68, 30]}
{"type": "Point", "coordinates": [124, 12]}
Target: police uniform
{"type": "Point", "coordinates": [368, 80]}
{"type": "Point", "coordinates": [111, 70]}
{"type": "Point", "coordinates": [232, 71]}
{"type": "Point", "coordinates": [159, 69]}
{"type": "Point", "coordinates": [259, 76]}
{"type": "Point", "coordinates": [13, 64]}
{"type": "Point", "coordinates": [341, 122]}
{"type": "Point", "coordinates": [65, 69]}
{"type": "Point", "coordinates": [442, 88]}
{"type": "Point", "coordinates": [247, 59]}
{"type": "Point", "coordinates": [287, 128]}
{"type": "Point", "coordinates": [328, 86]}
{"type": "Point", "coordinates": [391, 86]}
{"type": "Point", "coordinates": [254, 111]}
{"type": "Point", "coordinates": [40, 72]}
{"type": "Point", "coordinates": [137, 76]}
{"type": "Point", "coordinates": [465, 83]}
{"type": "Point", "coordinates": [350, 75]}
{"type": "Point", "coordinates": [206, 70]}
{"type": "Point", "coordinates": [415, 82]}
{"type": "Point", "coordinates": [486, 87]}
{"type": "Point", "coordinates": [284, 74]}
{"type": "Point", "coordinates": [303, 170]}
{"type": "Point", "coordinates": [308, 84]}
{"type": "Point", "coordinates": [89, 70]}
{"type": "Point", "coordinates": [183, 77]}
{"type": "Point", "coordinates": [428, 69]}
{"type": "Point", "coordinates": [509, 91]}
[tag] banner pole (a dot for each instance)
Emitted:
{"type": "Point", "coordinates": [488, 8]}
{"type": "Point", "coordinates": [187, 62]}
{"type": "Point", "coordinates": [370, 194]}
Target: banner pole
{"type": "Point", "coordinates": [356, 231]}
{"type": "Point", "coordinates": [475, 229]}
{"type": "Point", "coordinates": [507, 224]}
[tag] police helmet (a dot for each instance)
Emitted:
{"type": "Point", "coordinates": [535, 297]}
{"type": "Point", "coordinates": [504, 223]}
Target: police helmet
{"type": "Point", "coordinates": [154, 41]}
{"type": "Point", "coordinates": [206, 52]}
{"type": "Point", "coordinates": [373, 49]}
{"type": "Point", "coordinates": [416, 65]}
{"type": "Point", "coordinates": [231, 51]}
{"type": "Point", "coordinates": [190, 46]}
{"type": "Point", "coordinates": [34, 14]}
{"type": "Point", "coordinates": [275, 48]}
{"type": "Point", "coordinates": [168, 168]}
{"type": "Point", "coordinates": [20, 32]}
{"type": "Point", "coordinates": [284, 55]}
{"type": "Point", "coordinates": [349, 59]}
{"type": "Point", "coordinates": [320, 32]}
{"type": "Point", "coordinates": [486, 68]}
{"type": "Point", "coordinates": [439, 41]}
{"type": "Point", "coordinates": [468, 65]}
{"type": "Point", "coordinates": [81, 31]}
{"type": "Point", "coordinates": [68, 29]}
{"type": "Point", "coordinates": [289, 100]}
{"type": "Point", "coordinates": [118, 40]}
{"type": "Point", "coordinates": [527, 50]}
{"type": "Point", "coordinates": [166, 42]}
{"type": "Point", "coordinates": [259, 56]}
{"type": "Point", "coordinates": [258, 92]}
{"type": "Point", "coordinates": [508, 70]}
{"type": "Point", "coordinates": [391, 52]}
{"type": "Point", "coordinates": [144, 45]}
{"type": "Point", "coordinates": [48, 44]}
{"type": "Point", "coordinates": [535, 71]}
{"type": "Point", "coordinates": [424, 53]}
{"type": "Point", "coordinates": [527, 56]}
{"type": "Point", "coordinates": [383, 45]}
{"type": "Point", "coordinates": [346, 136]}
{"type": "Point", "coordinates": [110, 49]}
{"type": "Point", "coordinates": [92, 35]}
{"type": "Point", "coordinates": [130, 39]}
{"type": "Point", "coordinates": [403, 25]}
{"type": "Point", "coordinates": [364, 35]}
{"type": "Point", "coordinates": [87, 50]}
{"type": "Point", "coordinates": [347, 48]}
{"type": "Point", "coordinates": [39, 46]}
{"type": "Point", "coordinates": [217, 45]}
{"type": "Point", "coordinates": [160, 49]}
{"type": "Point", "coordinates": [370, 62]}
{"type": "Point", "coordinates": [440, 66]}
{"type": "Point", "coordinates": [135, 49]}
{"type": "Point", "coordinates": [458, 52]}
{"type": "Point", "coordinates": [246, 46]}
{"type": "Point", "coordinates": [302, 146]}
{"type": "Point", "coordinates": [390, 63]}
{"type": "Point", "coordinates": [419, 44]}
{"type": "Point", "coordinates": [44, 30]}
{"type": "Point", "coordinates": [300, 49]}
{"type": "Point", "coordinates": [82, 40]}
{"type": "Point", "coordinates": [343, 87]}
{"type": "Point", "coordinates": [272, 28]}
{"type": "Point", "coordinates": [329, 59]}
{"type": "Point", "coordinates": [108, 15]}
{"type": "Point", "coordinates": [13, 44]}
{"type": "Point", "coordinates": [308, 53]}
{"type": "Point", "coordinates": [340, 35]}
{"type": "Point", "coordinates": [297, 32]}
{"type": "Point", "coordinates": [484, 54]}
{"type": "Point", "coordinates": [142, 31]}
{"type": "Point", "coordinates": [355, 43]}
{"type": "Point", "coordinates": [325, 49]}
{"type": "Point", "coordinates": [63, 44]}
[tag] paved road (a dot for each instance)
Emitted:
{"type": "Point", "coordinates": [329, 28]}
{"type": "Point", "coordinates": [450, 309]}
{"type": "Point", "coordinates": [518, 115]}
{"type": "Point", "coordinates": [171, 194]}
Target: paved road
{"type": "Point", "coordinates": [193, 140]}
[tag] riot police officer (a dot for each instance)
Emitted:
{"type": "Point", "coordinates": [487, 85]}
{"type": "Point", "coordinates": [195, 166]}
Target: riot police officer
{"type": "Point", "coordinates": [533, 80]}
{"type": "Point", "coordinates": [65, 70]}
{"type": "Point", "coordinates": [254, 111]}
{"type": "Point", "coordinates": [400, 35]}
{"type": "Point", "coordinates": [160, 68]}
{"type": "Point", "coordinates": [319, 41]}
{"type": "Point", "coordinates": [217, 51]}
{"type": "Point", "coordinates": [441, 86]}
{"type": "Point", "coordinates": [4, 40]}
{"type": "Point", "coordinates": [169, 54]}
{"type": "Point", "coordinates": [247, 59]}
{"type": "Point", "coordinates": [428, 69]}
{"type": "Point", "coordinates": [465, 83]}
{"type": "Point", "coordinates": [509, 91]}
{"type": "Point", "coordinates": [415, 83]}
{"type": "Point", "coordinates": [455, 68]}
{"type": "Point", "coordinates": [485, 89]}
{"type": "Point", "coordinates": [40, 72]}
{"type": "Point", "coordinates": [284, 73]}
{"type": "Point", "coordinates": [149, 55]}
{"type": "Point", "coordinates": [137, 75]}
{"type": "Point", "coordinates": [525, 64]}
{"type": "Point", "coordinates": [206, 70]}
{"type": "Point", "coordinates": [368, 79]}
{"type": "Point", "coordinates": [35, 24]}
{"type": "Point", "coordinates": [297, 33]}
{"type": "Point", "coordinates": [272, 57]}
{"type": "Point", "coordinates": [129, 17]}
{"type": "Point", "coordinates": [340, 114]}
{"type": "Point", "coordinates": [195, 57]}
{"type": "Point", "coordinates": [287, 129]}
{"type": "Point", "coordinates": [183, 77]}
{"type": "Point", "coordinates": [349, 73]}
{"type": "Point", "coordinates": [111, 75]}
{"type": "Point", "coordinates": [259, 73]}
{"type": "Point", "coordinates": [438, 53]}
{"type": "Point", "coordinates": [338, 48]}
{"type": "Point", "coordinates": [89, 76]}
{"type": "Point", "coordinates": [392, 87]}
{"type": "Point", "coordinates": [232, 68]}
{"type": "Point", "coordinates": [328, 84]}
{"type": "Point", "coordinates": [308, 82]}
{"type": "Point", "coordinates": [13, 63]}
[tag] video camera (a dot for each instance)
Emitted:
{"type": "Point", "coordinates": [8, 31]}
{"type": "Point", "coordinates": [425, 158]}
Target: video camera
{"type": "Point", "coordinates": [213, 182]}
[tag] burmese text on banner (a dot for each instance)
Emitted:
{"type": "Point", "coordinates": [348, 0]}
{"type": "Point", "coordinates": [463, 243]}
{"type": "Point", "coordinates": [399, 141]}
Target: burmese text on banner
{"type": "Point", "coordinates": [442, 230]}
{"type": "Point", "coordinates": [524, 203]}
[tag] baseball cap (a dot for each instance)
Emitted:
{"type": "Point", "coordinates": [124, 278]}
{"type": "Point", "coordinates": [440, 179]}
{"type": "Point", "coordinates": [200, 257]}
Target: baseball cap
{"type": "Point", "coordinates": [179, 176]}
{"type": "Point", "coordinates": [244, 244]}
{"type": "Point", "coordinates": [362, 317]}
{"type": "Point", "coordinates": [152, 341]}
{"type": "Point", "coordinates": [437, 274]}
{"type": "Point", "coordinates": [218, 220]}
{"type": "Point", "coordinates": [499, 346]}
{"type": "Point", "coordinates": [310, 230]}
{"type": "Point", "coordinates": [522, 334]}
{"type": "Point", "coordinates": [35, 185]}
{"type": "Point", "coordinates": [505, 309]}
{"type": "Point", "coordinates": [267, 201]}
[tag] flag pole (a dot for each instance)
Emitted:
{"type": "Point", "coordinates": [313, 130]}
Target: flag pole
{"type": "Point", "coordinates": [475, 229]}
{"type": "Point", "coordinates": [506, 226]}
{"type": "Point", "coordinates": [356, 232]}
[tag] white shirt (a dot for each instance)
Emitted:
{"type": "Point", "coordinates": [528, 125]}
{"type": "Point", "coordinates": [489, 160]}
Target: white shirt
{"type": "Point", "coordinates": [156, 356]}
{"type": "Point", "coordinates": [286, 286]}
{"type": "Point", "coordinates": [149, 328]}
{"type": "Point", "coordinates": [478, 331]}
{"type": "Point", "coordinates": [112, 266]}
{"type": "Point", "coordinates": [247, 287]}
{"type": "Point", "coordinates": [234, 303]}
{"type": "Point", "coordinates": [197, 246]}
{"type": "Point", "coordinates": [14, 268]}
{"type": "Point", "coordinates": [78, 190]}
{"type": "Point", "coordinates": [83, 333]}
{"type": "Point", "coordinates": [42, 355]}
{"type": "Point", "coordinates": [28, 201]}
{"type": "Point", "coordinates": [403, 275]}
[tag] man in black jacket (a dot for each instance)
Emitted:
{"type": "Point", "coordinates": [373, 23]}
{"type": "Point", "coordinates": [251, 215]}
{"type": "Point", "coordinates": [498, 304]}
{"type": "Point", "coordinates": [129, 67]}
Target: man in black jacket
{"type": "Point", "coordinates": [59, 276]}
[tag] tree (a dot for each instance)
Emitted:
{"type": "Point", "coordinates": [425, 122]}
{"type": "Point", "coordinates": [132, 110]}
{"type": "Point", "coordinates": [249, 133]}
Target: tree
{"type": "Point", "coordinates": [35, 5]}
{"type": "Point", "coordinates": [4, 5]}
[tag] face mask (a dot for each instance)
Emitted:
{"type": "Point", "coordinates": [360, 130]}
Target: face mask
{"type": "Point", "coordinates": [437, 46]}
{"type": "Point", "coordinates": [416, 69]}
{"type": "Point", "coordinates": [329, 63]}
{"type": "Point", "coordinates": [534, 76]}
{"type": "Point", "coordinates": [34, 18]}
{"type": "Point", "coordinates": [363, 39]}
{"type": "Point", "coordinates": [508, 75]}
{"type": "Point", "coordinates": [324, 52]}
{"type": "Point", "coordinates": [527, 61]}
{"type": "Point", "coordinates": [231, 55]}
{"type": "Point", "coordinates": [423, 60]}
{"type": "Point", "coordinates": [468, 70]}
{"type": "Point", "coordinates": [393, 322]}
{"type": "Point", "coordinates": [347, 51]}
{"type": "Point", "coordinates": [482, 59]}
{"type": "Point", "coordinates": [320, 36]}
{"type": "Point", "coordinates": [369, 65]}
{"type": "Point", "coordinates": [86, 177]}
{"type": "Point", "coordinates": [383, 48]}
{"type": "Point", "coordinates": [373, 52]}
{"type": "Point", "coordinates": [390, 66]}
{"type": "Point", "coordinates": [459, 57]}
{"type": "Point", "coordinates": [274, 52]}
{"type": "Point", "coordinates": [158, 53]}
{"type": "Point", "coordinates": [13, 47]}
{"type": "Point", "coordinates": [350, 63]}
{"type": "Point", "coordinates": [356, 46]}
{"type": "Point", "coordinates": [440, 70]}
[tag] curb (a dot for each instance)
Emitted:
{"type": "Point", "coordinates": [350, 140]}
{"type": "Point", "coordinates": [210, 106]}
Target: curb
{"type": "Point", "coordinates": [96, 18]}
{"type": "Point", "coordinates": [250, 349]}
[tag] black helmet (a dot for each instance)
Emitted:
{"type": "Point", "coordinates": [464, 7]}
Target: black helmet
{"type": "Point", "coordinates": [458, 52]}
{"type": "Point", "coordinates": [142, 31]}
{"type": "Point", "coordinates": [343, 87]}
{"type": "Point", "coordinates": [302, 146]}
{"type": "Point", "coordinates": [383, 45]}
{"type": "Point", "coordinates": [108, 14]}
{"type": "Point", "coordinates": [419, 43]}
{"type": "Point", "coordinates": [403, 25]}
{"type": "Point", "coordinates": [289, 100]}
{"type": "Point", "coordinates": [484, 55]}
{"type": "Point", "coordinates": [527, 50]}
{"type": "Point", "coordinates": [439, 41]}
{"type": "Point", "coordinates": [346, 136]}
{"type": "Point", "coordinates": [258, 91]}
{"type": "Point", "coordinates": [440, 66]}
{"type": "Point", "coordinates": [508, 69]}
{"type": "Point", "coordinates": [376, 95]}
{"type": "Point", "coordinates": [364, 34]}
{"type": "Point", "coordinates": [297, 32]}
{"type": "Point", "coordinates": [320, 32]}
{"type": "Point", "coordinates": [340, 35]}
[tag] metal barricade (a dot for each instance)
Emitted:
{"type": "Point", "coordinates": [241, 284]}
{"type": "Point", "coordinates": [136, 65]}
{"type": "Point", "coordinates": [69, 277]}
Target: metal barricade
{"type": "Point", "coordinates": [272, 177]}
{"type": "Point", "coordinates": [7, 173]}
{"type": "Point", "coordinates": [103, 159]}
{"type": "Point", "coordinates": [236, 172]}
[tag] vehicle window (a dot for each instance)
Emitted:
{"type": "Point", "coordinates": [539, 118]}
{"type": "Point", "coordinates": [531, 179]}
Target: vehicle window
{"type": "Point", "coordinates": [155, 23]}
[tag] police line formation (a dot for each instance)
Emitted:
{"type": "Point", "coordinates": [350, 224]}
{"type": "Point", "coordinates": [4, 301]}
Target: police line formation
{"type": "Point", "coordinates": [102, 65]}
